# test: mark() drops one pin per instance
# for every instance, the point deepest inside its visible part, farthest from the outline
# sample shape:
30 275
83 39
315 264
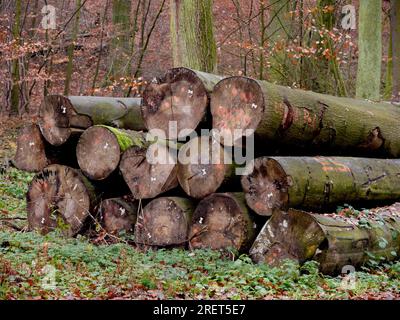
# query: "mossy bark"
319 182
192 35
332 240
370 50
395 41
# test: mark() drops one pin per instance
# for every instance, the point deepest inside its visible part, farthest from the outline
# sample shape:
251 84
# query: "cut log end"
98 152
117 215
55 112
237 103
266 187
146 176
201 168
164 222
287 236
30 155
180 97
220 222
58 197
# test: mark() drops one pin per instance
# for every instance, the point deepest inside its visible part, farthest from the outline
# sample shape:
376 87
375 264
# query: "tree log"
123 113
59 115
304 118
100 148
117 215
182 95
202 168
319 182
333 240
56 114
59 197
34 153
164 222
222 221
146 178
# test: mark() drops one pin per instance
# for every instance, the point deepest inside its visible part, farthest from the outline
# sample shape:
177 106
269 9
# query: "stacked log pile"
126 165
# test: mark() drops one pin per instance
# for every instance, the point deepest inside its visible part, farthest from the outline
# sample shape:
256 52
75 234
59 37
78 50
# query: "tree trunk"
164 222
117 215
15 72
319 182
370 50
203 166
304 119
60 115
34 153
395 32
333 240
71 47
147 178
121 41
192 35
100 148
222 221
59 197
182 95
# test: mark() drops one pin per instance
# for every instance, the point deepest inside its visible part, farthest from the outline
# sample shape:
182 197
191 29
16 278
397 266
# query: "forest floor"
52 267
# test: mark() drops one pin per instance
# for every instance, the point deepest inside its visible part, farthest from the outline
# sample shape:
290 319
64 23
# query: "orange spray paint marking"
329 164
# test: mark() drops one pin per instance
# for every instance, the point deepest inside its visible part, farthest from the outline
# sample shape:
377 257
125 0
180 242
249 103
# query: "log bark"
222 221
181 95
319 182
118 215
100 148
335 241
59 115
164 222
59 197
145 177
303 118
34 153
203 166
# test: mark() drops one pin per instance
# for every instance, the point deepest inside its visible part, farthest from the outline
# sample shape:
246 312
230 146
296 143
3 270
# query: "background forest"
111 47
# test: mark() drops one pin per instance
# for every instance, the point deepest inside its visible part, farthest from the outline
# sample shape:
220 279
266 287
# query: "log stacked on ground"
60 116
304 118
117 215
100 148
203 166
222 221
59 197
181 95
34 153
335 241
149 171
164 222
318 182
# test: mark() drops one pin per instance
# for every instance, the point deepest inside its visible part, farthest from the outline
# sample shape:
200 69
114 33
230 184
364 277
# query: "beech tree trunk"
192 35
222 221
118 215
147 178
335 241
33 153
370 50
395 41
164 222
60 116
303 118
279 183
59 197
181 96
100 148
202 168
